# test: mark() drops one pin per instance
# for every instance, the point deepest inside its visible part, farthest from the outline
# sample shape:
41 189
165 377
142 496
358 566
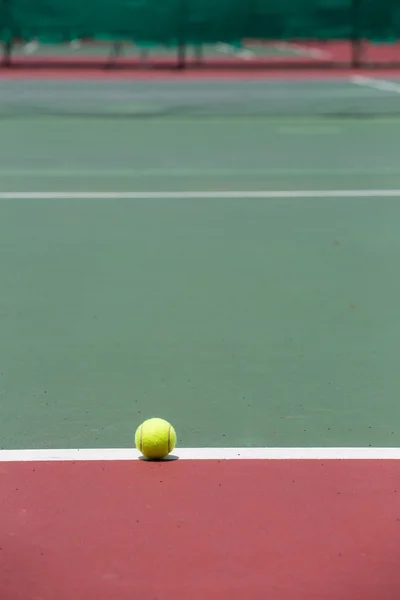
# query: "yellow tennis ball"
155 438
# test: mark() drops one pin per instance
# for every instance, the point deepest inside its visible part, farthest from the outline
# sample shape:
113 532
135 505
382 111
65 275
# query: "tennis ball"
155 438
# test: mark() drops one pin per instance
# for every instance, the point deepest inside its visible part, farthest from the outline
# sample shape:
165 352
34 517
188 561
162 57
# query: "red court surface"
262 52
215 530
207 74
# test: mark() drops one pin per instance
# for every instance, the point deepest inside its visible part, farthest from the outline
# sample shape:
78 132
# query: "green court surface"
245 321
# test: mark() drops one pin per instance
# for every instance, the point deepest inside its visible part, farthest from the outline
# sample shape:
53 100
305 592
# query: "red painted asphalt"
229 530
207 74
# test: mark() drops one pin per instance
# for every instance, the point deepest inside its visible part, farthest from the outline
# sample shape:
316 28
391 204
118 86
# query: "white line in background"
198 195
110 454
377 84
31 47
243 53
302 50
76 44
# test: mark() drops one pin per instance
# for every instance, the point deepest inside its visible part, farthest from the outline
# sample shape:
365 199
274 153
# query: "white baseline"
202 195
219 454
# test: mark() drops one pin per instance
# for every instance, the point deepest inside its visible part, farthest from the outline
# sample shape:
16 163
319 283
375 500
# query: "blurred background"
228 41
200 32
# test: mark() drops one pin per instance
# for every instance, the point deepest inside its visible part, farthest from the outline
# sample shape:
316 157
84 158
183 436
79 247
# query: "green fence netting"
199 21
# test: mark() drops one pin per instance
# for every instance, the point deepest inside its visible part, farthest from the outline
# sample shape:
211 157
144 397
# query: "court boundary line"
129 454
242 53
376 83
300 50
202 195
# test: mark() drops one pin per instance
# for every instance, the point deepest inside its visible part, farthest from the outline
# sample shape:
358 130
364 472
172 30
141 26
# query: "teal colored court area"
247 321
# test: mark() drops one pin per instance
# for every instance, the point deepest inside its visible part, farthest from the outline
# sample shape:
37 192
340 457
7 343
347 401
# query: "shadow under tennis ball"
169 458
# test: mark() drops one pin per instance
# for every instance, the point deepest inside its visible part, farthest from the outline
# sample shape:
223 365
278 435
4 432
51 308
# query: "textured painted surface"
187 529
242 322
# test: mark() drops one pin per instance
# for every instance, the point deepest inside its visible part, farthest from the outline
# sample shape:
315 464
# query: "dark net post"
181 37
356 36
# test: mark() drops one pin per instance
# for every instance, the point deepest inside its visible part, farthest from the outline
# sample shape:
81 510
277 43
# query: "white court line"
302 50
297 49
75 44
193 195
377 84
243 53
31 47
110 454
